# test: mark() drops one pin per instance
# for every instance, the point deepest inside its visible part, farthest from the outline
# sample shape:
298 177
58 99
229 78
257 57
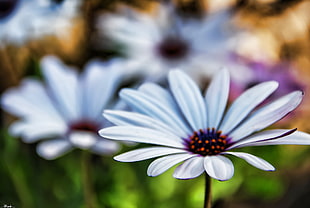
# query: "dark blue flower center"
173 48
7 7
85 125
207 142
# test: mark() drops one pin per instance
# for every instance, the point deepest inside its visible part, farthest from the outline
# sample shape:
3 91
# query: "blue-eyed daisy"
201 131
23 20
66 111
163 40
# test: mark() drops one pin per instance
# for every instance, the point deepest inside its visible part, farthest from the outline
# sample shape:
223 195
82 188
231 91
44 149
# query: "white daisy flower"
66 112
22 20
197 130
166 41
57 18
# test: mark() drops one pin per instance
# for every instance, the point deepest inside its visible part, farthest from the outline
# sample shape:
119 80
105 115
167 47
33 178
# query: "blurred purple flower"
282 72
66 111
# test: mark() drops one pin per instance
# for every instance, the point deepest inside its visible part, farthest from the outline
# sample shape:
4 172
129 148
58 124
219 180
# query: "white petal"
63 83
191 168
30 101
162 96
144 104
159 93
189 99
245 103
160 165
105 147
53 148
141 33
219 167
146 153
253 160
267 115
296 138
124 118
35 130
141 134
216 98
99 83
83 139
265 137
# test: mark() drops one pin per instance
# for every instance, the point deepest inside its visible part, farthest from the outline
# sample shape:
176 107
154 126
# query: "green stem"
207 202
20 185
89 194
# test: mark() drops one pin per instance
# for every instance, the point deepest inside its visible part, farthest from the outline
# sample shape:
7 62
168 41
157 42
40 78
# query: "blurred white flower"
22 20
66 112
57 18
166 40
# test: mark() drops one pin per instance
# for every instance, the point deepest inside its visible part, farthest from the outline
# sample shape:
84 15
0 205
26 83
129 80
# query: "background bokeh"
277 36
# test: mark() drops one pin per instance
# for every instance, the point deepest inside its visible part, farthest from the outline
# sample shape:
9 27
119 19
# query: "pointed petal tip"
101 132
125 91
106 113
117 158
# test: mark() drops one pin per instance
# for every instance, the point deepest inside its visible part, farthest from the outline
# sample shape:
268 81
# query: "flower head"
66 111
166 40
22 20
197 130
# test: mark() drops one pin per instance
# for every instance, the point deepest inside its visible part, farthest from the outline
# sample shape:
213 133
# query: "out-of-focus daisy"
21 20
196 130
66 111
166 40
57 17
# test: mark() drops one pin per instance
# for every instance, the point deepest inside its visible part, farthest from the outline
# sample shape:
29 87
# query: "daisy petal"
146 153
124 118
296 138
53 149
98 78
267 115
253 160
191 168
189 99
82 139
159 93
216 98
160 165
35 130
105 147
219 167
263 137
163 97
30 100
245 103
141 134
63 83
150 106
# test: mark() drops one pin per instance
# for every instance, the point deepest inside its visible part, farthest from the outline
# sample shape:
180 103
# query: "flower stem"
207 203
89 194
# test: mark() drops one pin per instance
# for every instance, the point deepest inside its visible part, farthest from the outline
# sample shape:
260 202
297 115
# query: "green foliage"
31 182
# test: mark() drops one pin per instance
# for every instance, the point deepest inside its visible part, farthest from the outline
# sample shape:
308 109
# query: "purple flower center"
173 48
7 7
84 125
207 142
